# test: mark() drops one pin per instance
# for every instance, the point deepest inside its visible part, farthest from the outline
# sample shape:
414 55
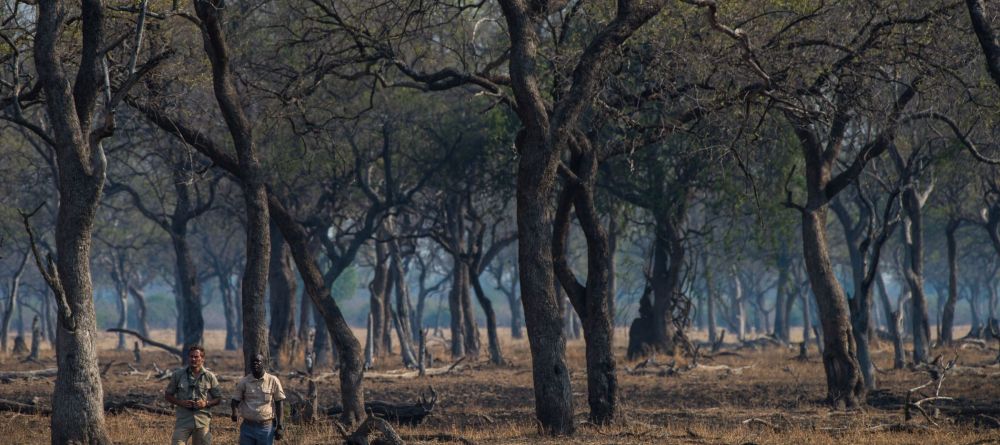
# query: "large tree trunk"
860 304
739 306
321 342
948 312
77 397
379 289
229 311
845 385
589 300
455 308
181 315
258 242
656 333
189 291
12 303
550 376
281 332
188 286
496 355
710 296
305 315
401 317
122 315
781 300
516 314
913 227
351 364
472 343
894 323
140 310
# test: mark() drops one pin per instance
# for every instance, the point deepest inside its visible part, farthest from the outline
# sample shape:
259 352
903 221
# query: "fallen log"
37 374
412 374
373 427
23 408
146 340
121 407
403 414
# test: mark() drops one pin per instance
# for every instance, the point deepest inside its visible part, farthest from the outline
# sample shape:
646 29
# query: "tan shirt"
255 396
185 386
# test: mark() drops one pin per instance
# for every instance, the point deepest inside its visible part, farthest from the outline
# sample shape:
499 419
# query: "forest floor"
755 395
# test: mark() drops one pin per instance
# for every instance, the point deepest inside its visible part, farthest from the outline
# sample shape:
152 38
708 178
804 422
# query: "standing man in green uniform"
193 389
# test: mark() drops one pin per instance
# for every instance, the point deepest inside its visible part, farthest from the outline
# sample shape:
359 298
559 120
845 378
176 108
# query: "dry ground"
485 404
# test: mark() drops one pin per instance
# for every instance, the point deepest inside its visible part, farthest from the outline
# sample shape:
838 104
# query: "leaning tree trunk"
496 356
860 304
845 385
589 300
281 331
349 349
140 310
347 346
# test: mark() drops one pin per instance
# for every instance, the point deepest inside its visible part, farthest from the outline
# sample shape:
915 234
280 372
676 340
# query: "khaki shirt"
185 386
255 396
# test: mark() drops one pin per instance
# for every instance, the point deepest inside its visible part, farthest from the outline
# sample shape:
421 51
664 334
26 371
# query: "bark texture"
258 242
282 281
77 398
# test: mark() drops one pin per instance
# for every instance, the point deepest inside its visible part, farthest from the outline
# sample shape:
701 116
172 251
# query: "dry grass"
493 405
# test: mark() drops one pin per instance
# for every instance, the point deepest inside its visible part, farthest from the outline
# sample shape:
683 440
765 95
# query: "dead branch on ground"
441 437
400 413
938 371
15 375
148 341
23 408
373 426
412 374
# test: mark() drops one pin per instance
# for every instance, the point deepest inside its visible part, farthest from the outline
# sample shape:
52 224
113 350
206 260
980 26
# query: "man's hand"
279 431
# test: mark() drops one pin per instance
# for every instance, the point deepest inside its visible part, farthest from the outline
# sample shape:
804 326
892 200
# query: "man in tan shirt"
255 393
193 389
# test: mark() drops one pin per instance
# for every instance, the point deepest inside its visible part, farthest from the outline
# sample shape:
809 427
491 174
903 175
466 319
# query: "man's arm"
279 395
279 428
235 401
214 393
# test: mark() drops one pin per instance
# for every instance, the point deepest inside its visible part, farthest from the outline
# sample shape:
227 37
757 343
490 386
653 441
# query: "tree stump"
20 347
